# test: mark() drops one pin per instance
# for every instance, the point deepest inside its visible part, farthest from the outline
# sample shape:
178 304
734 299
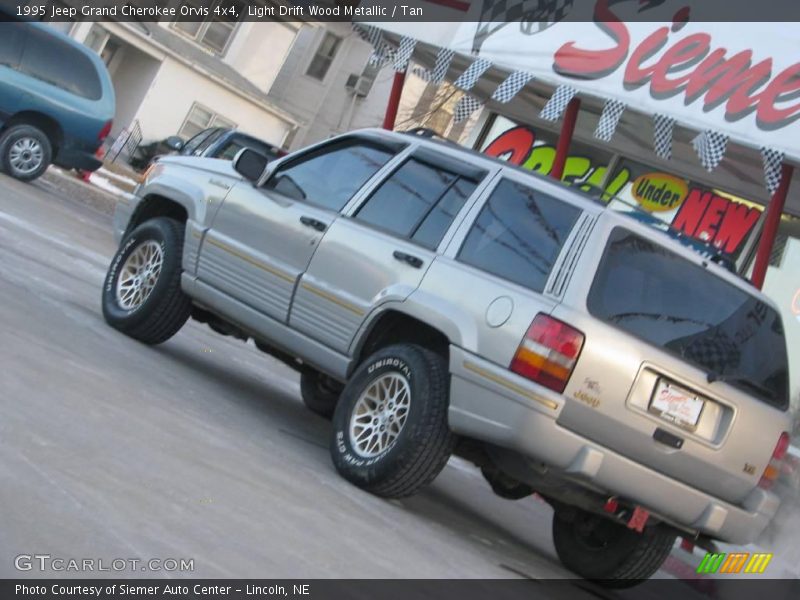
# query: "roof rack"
425 132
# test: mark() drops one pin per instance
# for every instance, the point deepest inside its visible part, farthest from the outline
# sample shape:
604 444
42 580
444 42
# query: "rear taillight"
101 137
548 352
773 470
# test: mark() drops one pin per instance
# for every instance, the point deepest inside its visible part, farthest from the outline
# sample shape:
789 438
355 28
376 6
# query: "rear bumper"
77 159
491 404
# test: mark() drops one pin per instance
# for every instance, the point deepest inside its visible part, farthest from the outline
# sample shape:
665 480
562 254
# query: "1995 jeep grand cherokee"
442 301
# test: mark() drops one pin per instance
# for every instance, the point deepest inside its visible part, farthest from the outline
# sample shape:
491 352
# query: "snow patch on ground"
105 184
108 174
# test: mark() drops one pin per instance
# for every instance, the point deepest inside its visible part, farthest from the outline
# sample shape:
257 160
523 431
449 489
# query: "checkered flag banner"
710 147
443 60
404 52
612 112
773 168
558 102
663 127
467 105
511 86
381 51
470 77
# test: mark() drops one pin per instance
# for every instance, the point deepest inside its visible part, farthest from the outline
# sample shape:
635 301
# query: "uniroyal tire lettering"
390 362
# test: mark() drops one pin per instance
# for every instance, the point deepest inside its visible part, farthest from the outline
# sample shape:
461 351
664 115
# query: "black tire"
608 553
424 442
39 151
320 393
164 311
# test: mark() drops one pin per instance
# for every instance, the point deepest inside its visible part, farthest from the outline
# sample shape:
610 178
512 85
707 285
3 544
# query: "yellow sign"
657 192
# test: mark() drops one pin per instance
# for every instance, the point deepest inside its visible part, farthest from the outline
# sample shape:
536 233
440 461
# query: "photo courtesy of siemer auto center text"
417 299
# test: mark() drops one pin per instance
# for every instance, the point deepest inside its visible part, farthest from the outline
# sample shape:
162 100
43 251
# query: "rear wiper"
712 377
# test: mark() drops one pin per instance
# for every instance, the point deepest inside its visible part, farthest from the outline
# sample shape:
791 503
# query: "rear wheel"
142 295
390 432
320 393
614 556
25 152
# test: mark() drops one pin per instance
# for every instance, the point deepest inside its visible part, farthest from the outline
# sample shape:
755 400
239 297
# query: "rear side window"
58 63
674 304
12 39
330 176
418 201
519 234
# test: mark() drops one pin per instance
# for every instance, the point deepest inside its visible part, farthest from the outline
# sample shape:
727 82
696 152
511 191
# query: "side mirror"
174 143
250 164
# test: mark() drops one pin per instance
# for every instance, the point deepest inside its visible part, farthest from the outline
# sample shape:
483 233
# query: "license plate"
676 405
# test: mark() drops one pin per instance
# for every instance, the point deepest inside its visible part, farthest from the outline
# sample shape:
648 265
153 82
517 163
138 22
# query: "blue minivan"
56 101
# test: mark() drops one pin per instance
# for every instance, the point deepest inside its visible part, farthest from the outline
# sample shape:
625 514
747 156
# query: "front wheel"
25 152
390 432
601 550
142 295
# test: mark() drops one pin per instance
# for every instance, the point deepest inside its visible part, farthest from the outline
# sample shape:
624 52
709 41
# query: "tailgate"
682 369
612 400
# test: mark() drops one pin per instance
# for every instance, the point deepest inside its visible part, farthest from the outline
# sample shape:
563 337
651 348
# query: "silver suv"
436 301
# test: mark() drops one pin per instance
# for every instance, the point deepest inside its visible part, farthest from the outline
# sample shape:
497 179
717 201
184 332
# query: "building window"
200 118
216 30
324 56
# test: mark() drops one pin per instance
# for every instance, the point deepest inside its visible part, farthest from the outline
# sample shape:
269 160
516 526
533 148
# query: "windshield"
662 298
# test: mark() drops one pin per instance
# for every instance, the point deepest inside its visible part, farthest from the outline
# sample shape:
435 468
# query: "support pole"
770 230
565 138
394 100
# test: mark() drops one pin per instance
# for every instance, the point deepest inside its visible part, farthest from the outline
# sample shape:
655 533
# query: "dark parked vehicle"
56 101
216 142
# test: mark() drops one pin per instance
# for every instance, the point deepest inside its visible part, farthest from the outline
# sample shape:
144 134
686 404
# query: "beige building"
289 83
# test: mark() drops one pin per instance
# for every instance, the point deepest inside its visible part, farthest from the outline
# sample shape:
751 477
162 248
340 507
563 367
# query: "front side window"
329 177
519 234
56 62
323 58
418 201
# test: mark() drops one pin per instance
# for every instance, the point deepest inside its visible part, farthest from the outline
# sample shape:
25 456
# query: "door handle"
408 259
313 223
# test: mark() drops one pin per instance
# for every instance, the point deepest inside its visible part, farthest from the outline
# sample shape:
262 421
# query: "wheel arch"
396 325
156 205
47 124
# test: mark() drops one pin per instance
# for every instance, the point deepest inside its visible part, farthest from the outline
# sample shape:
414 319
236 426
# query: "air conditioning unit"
358 84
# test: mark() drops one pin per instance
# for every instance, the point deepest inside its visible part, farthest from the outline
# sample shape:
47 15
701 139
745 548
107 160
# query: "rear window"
662 298
519 234
58 63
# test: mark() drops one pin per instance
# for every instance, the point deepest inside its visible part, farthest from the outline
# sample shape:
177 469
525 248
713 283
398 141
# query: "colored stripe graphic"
734 562
758 563
711 563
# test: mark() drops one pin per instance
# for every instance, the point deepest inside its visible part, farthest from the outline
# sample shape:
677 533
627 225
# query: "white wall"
176 87
259 49
132 73
325 107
